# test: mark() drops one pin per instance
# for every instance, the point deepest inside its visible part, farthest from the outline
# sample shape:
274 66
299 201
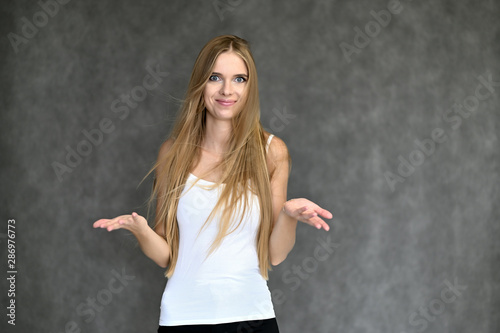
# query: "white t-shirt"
225 287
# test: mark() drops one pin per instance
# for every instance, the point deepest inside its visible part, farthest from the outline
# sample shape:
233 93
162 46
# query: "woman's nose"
227 88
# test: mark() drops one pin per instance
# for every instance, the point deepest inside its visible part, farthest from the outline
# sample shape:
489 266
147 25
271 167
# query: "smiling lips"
225 102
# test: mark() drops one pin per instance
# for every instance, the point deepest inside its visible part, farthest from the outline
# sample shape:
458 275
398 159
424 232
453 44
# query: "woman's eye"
240 79
213 78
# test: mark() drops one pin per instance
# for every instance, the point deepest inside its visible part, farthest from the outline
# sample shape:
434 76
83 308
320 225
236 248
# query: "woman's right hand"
152 244
134 223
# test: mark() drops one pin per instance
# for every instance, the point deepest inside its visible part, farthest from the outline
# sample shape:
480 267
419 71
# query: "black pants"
253 326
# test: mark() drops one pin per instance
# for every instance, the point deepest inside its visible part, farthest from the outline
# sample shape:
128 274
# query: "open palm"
308 212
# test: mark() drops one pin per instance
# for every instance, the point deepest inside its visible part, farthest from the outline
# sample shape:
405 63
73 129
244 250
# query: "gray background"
396 250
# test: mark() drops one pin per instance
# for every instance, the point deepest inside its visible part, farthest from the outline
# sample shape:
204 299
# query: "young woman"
222 215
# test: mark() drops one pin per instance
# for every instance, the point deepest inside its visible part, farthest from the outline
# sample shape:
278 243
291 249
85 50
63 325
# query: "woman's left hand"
308 212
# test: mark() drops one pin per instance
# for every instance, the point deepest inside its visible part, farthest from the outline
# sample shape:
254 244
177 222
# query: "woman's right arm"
152 242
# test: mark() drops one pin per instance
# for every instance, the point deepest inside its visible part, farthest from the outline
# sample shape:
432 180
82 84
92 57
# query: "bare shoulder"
165 147
278 151
278 157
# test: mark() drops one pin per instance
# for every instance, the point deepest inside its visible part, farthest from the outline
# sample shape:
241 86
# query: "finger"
318 223
115 226
103 223
307 211
325 226
301 210
324 213
98 223
308 214
127 220
322 225
314 224
136 217
106 223
120 223
296 213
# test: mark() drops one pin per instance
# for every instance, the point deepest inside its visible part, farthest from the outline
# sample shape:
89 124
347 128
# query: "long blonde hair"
243 167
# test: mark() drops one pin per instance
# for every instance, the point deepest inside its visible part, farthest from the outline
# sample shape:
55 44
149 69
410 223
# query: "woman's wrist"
284 207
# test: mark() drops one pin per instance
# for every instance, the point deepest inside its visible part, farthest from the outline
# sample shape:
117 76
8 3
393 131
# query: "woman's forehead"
230 63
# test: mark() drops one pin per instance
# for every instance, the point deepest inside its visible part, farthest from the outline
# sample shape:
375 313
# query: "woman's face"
225 91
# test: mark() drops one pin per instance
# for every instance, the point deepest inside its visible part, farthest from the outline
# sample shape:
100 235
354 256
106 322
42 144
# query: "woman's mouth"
225 102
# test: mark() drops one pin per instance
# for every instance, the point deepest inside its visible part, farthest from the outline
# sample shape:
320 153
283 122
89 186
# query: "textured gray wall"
370 110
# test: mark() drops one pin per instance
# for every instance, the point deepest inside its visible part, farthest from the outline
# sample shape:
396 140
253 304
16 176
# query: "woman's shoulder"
276 148
165 147
162 153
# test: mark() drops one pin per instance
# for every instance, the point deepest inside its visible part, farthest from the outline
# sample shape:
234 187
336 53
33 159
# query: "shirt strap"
269 141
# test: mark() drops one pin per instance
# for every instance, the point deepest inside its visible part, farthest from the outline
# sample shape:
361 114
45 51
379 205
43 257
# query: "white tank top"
225 287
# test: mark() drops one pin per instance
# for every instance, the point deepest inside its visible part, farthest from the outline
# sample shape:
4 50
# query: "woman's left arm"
287 213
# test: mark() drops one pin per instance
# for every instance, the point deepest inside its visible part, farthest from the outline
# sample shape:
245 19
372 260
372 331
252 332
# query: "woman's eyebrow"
244 75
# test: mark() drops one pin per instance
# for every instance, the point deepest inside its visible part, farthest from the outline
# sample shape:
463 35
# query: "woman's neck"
217 134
